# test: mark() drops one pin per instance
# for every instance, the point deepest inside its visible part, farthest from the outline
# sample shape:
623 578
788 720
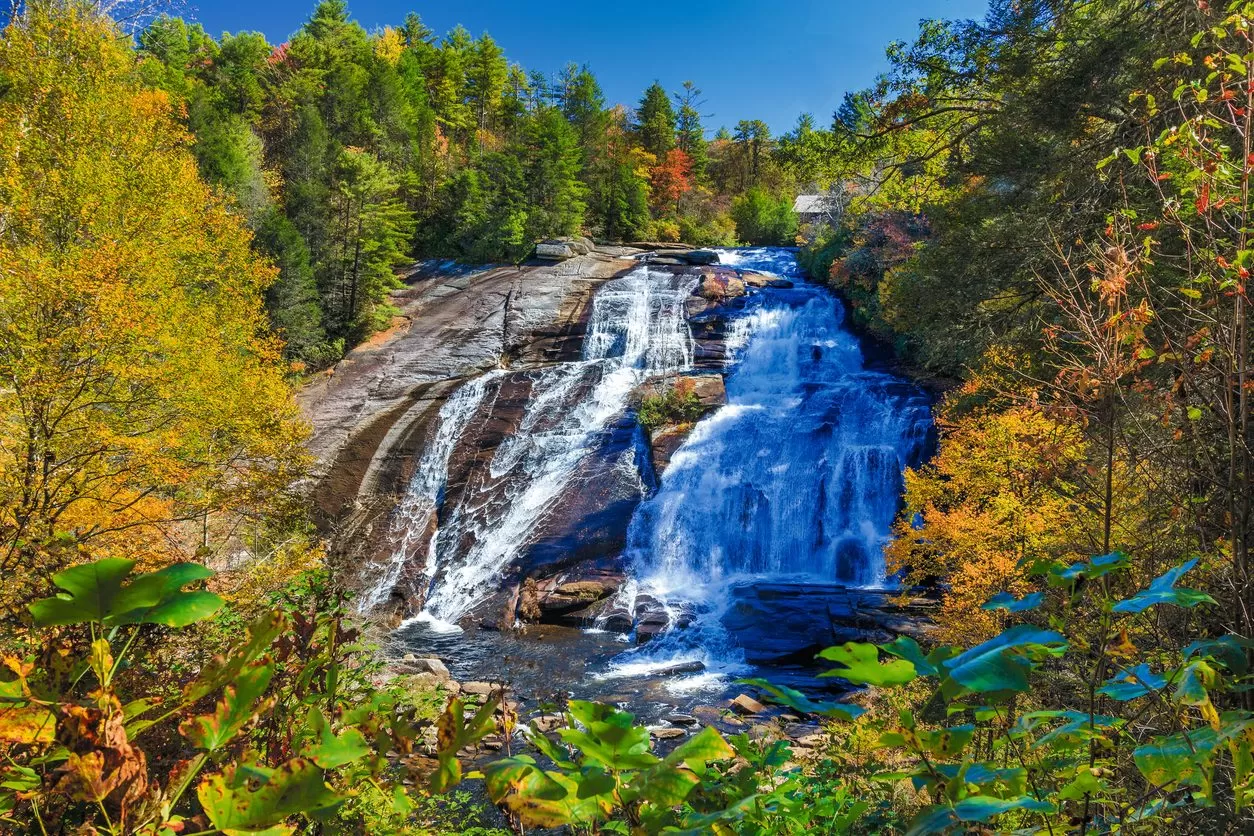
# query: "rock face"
374 413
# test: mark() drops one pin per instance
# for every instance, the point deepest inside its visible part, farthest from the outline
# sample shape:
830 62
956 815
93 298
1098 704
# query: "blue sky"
753 59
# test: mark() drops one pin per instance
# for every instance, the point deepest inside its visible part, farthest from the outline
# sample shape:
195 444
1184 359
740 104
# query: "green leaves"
252 799
454 732
330 751
859 664
95 592
611 738
783 695
977 808
1162 590
614 769
1132 683
1003 662
241 702
1006 601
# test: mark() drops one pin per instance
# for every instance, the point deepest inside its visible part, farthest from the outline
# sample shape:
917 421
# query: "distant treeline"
352 152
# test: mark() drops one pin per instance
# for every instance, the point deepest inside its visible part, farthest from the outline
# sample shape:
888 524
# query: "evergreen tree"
689 134
486 78
551 160
655 121
369 236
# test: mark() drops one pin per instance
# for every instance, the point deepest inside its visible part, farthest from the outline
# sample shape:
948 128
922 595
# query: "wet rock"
694 666
701 257
663 442
720 285
666 732
752 279
780 283
651 626
745 704
617 619
680 719
788 623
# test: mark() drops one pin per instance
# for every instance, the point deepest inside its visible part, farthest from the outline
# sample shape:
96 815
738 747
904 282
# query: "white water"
637 328
798 476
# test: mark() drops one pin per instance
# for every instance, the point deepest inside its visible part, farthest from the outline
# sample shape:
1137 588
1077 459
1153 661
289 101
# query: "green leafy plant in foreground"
1058 727
282 728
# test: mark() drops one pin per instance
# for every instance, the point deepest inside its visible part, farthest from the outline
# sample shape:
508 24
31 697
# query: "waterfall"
798 476
636 329
416 512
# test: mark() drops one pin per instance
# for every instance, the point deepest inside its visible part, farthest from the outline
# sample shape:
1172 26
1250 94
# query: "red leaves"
671 178
1203 199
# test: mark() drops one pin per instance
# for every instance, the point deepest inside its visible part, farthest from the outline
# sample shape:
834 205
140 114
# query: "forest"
352 154
1041 217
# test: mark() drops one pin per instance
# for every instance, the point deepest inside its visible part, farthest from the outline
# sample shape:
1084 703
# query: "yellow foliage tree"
996 497
139 386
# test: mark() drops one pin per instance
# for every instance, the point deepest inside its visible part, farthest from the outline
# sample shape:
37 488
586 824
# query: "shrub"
674 406
287 725
762 218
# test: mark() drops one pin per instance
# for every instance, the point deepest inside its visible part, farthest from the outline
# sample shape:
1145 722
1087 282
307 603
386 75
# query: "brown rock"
529 601
745 704
666 732
664 441
546 723
481 689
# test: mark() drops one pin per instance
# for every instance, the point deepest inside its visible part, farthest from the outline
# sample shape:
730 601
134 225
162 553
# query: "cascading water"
637 328
799 476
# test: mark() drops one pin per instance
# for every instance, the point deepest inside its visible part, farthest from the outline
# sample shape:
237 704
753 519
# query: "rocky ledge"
374 413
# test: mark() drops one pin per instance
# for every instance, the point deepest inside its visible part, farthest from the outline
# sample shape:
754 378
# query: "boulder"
555 251
720 285
701 257
663 443
650 626
617 620
682 667
780 283
479 689
710 389
546 723
752 279
680 719
426 665
745 704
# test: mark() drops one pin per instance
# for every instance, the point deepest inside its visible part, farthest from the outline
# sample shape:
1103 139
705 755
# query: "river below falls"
764 536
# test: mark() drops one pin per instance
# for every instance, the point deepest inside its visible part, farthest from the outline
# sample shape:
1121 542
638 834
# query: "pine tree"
689 134
655 121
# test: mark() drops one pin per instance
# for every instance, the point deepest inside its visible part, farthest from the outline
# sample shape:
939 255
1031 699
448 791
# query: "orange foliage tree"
671 179
139 386
996 498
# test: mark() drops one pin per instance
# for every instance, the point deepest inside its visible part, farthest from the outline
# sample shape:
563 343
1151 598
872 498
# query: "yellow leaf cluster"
139 385
996 497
